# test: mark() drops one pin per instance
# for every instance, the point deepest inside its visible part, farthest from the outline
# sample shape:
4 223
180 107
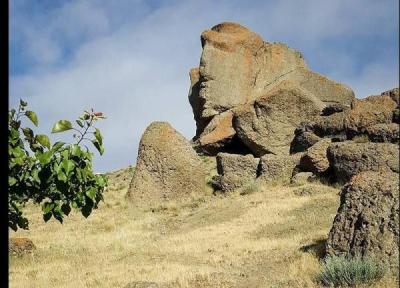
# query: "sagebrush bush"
340 270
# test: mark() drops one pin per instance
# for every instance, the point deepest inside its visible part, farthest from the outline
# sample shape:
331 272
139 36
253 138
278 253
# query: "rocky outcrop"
235 170
372 116
367 221
237 67
167 167
349 158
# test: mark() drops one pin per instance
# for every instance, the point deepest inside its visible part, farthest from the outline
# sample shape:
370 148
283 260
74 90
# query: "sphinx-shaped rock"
167 167
238 67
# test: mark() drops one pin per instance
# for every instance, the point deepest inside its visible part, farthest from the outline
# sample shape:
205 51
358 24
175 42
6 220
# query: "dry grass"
269 238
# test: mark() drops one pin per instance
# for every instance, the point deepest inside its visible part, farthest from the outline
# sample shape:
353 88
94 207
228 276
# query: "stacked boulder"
252 94
249 97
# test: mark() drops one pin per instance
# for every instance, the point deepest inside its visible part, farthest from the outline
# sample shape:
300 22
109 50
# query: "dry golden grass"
269 238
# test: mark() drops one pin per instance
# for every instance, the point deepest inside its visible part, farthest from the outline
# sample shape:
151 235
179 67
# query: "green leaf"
65 154
57 146
75 150
61 176
43 140
11 181
91 193
100 180
79 122
18 152
67 165
35 175
98 136
62 125
47 207
45 157
33 117
22 103
98 146
14 134
27 132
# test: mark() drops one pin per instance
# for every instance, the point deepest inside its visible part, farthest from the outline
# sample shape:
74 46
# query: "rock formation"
367 222
266 117
167 167
237 67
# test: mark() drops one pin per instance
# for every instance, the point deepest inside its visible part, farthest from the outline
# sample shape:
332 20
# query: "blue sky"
130 58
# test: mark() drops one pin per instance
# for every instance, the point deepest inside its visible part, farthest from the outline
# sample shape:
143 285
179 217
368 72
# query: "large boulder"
218 134
369 111
277 167
167 167
349 158
367 221
236 170
237 67
315 159
267 125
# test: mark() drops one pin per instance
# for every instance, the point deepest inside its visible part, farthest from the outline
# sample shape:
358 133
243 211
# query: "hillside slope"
271 236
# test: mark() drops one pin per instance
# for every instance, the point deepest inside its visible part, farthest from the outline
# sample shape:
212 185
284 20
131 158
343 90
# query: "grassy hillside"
272 236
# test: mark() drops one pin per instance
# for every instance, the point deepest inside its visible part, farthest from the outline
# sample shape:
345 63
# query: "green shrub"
340 270
57 176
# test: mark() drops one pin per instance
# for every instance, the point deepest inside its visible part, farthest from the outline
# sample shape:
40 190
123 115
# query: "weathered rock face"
267 125
237 67
236 170
371 116
315 159
369 111
367 221
383 133
217 134
277 167
393 94
349 158
167 167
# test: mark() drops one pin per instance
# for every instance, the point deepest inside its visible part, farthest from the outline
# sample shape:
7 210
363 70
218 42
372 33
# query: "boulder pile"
265 116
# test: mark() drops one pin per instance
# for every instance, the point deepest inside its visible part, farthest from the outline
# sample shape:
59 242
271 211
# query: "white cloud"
135 68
